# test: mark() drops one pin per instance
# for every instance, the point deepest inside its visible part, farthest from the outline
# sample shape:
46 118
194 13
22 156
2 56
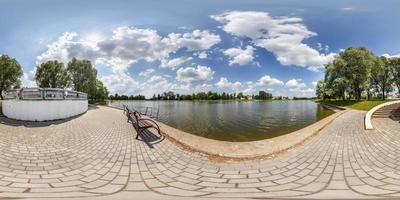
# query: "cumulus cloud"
295 84
224 83
269 81
314 83
146 73
283 36
300 88
174 63
202 55
191 74
127 46
196 40
250 88
240 56
121 83
391 56
204 87
28 78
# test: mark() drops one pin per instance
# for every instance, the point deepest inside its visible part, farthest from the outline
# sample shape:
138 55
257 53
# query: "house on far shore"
247 97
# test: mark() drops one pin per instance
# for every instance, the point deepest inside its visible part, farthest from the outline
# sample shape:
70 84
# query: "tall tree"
83 76
52 74
357 66
10 72
101 91
381 76
394 65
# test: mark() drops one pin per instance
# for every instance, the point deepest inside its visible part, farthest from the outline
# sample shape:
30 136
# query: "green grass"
357 105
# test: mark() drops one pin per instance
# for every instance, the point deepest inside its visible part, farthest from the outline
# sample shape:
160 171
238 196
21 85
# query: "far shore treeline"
262 95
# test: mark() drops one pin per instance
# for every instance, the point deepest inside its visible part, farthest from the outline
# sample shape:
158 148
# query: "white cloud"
146 73
347 8
297 87
224 83
204 87
191 74
28 78
314 83
268 80
391 56
250 89
295 84
124 47
121 83
196 40
202 55
174 63
240 56
322 47
282 36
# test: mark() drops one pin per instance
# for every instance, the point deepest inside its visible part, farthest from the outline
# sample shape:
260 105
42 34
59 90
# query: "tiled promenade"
96 155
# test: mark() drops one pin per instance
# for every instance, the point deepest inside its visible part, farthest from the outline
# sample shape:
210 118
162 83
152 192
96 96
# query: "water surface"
235 120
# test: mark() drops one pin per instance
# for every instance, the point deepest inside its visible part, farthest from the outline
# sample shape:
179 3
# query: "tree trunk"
1 94
383 93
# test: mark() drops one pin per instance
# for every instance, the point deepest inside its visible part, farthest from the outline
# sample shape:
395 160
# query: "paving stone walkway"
96 155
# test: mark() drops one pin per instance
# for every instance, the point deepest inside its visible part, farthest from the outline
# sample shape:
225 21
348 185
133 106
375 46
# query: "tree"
357 68
10 72
320 89
52 74
83 77
240 95
349 73
394 66
381 76
101 92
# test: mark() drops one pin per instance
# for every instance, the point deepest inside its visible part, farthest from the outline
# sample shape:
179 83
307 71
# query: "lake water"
235 120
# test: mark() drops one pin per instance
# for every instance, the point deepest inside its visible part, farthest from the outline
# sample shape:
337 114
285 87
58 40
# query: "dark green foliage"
357 73
52 74
10 72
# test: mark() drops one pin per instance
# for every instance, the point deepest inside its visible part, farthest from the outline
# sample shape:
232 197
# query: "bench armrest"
150 120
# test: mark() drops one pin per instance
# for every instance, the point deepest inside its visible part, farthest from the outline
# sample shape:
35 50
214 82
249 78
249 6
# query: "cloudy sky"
147 47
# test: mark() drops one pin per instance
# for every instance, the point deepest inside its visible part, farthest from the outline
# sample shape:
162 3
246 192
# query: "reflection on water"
235 121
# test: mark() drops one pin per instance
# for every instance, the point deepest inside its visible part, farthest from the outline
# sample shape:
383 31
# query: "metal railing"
44 94
148 111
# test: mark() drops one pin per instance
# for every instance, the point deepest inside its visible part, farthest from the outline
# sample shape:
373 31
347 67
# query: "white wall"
43 110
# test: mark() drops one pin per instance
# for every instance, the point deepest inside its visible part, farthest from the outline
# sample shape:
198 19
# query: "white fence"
43 104
43 94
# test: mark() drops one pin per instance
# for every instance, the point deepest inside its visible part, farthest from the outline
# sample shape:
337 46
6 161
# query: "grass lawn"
358 105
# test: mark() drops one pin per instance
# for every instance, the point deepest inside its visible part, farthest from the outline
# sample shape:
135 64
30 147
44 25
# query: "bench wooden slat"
140 123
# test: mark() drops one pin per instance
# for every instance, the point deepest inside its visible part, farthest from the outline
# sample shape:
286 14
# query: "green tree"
52 74
240 95
381 76
394 66
349 72
357 68
10 72
101 92
83 77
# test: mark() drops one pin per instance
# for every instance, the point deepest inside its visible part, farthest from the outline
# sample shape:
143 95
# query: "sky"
149 47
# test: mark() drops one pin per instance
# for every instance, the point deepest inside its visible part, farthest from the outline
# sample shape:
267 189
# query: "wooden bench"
139 122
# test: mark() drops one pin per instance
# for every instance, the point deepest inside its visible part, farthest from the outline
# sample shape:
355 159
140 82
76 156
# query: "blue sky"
190 46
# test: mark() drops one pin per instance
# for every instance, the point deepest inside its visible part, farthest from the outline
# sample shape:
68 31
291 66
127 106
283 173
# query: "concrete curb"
368 116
